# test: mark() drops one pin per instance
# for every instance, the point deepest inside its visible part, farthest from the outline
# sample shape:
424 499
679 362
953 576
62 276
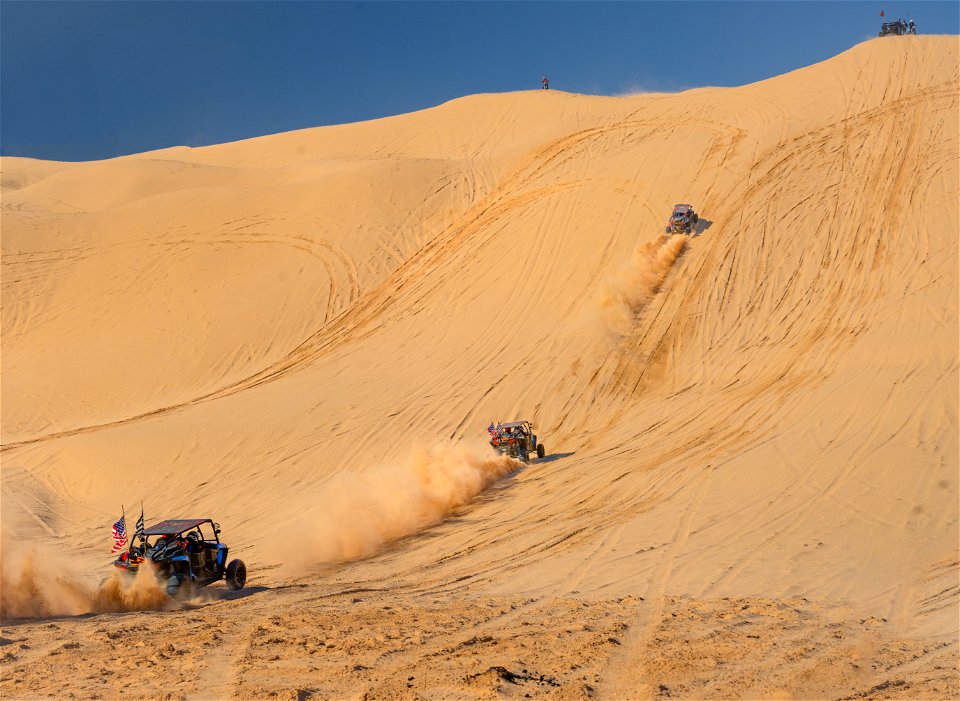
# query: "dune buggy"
682 220
517 440
187 553
897 27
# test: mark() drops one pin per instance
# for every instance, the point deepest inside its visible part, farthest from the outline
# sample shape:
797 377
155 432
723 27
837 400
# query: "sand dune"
752 482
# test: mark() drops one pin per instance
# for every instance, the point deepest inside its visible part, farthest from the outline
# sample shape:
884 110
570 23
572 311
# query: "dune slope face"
766 410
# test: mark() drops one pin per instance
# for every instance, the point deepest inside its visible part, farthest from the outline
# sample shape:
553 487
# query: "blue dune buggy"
187 553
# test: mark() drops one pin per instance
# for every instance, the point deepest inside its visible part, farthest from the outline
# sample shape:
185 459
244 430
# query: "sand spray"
355 515
358 513
629 291
37 583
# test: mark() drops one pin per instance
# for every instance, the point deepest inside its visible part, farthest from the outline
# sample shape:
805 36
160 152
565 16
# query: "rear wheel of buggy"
541 451
178 587
236 574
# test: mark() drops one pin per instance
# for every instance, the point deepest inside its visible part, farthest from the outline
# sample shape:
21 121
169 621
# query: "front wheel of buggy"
236 574
541 451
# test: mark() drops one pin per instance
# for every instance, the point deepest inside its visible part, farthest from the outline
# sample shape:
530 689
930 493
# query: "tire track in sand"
624 676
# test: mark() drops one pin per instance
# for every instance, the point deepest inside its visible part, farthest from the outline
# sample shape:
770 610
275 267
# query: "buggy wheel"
668 230
541 451
178 587
236 574
524 455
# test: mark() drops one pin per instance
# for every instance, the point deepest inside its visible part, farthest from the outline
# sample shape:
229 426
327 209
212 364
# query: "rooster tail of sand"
36 584
357 514
629 291
144 592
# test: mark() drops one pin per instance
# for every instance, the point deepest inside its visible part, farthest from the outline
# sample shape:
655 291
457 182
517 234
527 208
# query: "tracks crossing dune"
752 484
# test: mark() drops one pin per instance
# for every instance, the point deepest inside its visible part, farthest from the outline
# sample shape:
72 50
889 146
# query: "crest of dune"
260 332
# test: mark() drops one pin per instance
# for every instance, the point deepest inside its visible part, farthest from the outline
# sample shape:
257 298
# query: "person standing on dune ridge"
546 83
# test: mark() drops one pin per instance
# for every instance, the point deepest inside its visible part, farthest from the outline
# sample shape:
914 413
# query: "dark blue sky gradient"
89 80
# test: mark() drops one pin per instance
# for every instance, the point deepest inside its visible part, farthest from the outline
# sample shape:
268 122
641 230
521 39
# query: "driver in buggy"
167 543
681 217
160 544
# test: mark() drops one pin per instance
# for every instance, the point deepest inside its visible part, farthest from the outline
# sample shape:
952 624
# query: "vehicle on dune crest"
516 439
682 220
897 27
187 553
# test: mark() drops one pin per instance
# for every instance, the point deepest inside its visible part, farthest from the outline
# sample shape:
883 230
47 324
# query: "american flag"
139 529
119 535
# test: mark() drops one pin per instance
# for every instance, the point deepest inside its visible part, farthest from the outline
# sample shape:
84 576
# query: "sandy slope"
752 487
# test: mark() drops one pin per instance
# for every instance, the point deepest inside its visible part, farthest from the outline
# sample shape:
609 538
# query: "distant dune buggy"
187 553
682 220
517 440
897 27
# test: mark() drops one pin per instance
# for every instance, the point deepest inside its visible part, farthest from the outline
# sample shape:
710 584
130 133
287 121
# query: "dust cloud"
38 584
633 287
143 593
357 514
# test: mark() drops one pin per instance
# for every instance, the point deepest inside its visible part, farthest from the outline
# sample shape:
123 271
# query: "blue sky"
88 80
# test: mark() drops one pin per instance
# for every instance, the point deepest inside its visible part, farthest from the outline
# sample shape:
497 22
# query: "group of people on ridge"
905 28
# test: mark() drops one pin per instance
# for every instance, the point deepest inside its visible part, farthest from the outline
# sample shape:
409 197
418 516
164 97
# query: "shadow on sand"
551 458
701 226
230 595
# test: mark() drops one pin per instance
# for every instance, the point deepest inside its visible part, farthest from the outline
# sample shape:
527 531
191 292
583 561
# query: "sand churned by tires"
38 586
628 291
356 513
